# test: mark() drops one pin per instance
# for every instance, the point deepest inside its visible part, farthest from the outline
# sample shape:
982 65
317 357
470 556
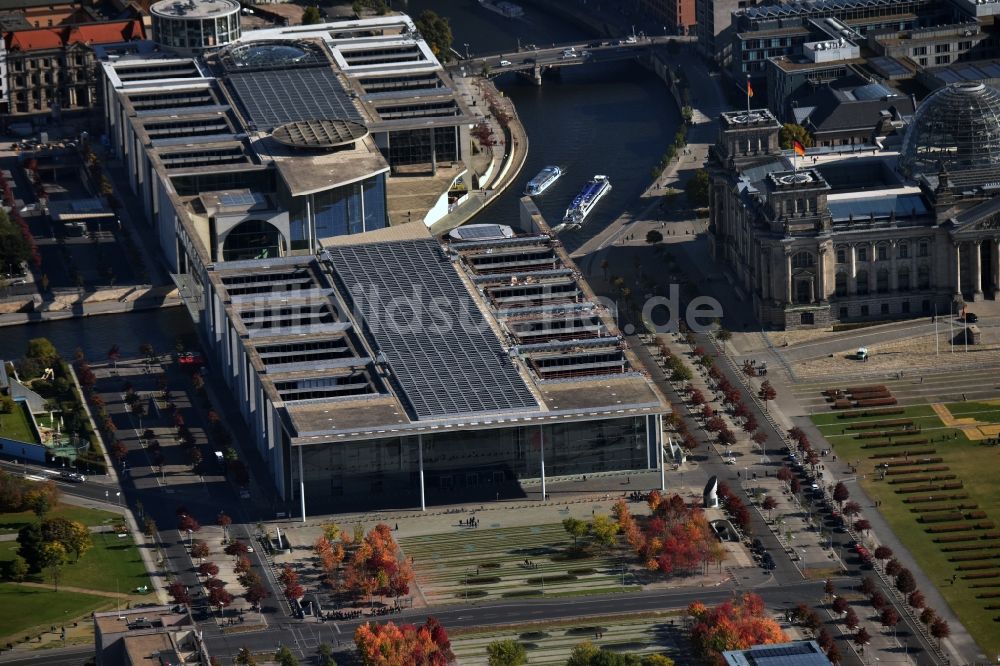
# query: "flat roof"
446 366
196 9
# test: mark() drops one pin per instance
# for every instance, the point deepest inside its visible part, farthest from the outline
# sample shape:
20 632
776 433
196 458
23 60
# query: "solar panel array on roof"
816 6
462 370
479 232
273 98
873 91
902 205
981 71
889 67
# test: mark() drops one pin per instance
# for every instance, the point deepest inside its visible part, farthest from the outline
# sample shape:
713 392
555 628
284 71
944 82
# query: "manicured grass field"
489 564
16 426
12 522
973 462
23 608
112 565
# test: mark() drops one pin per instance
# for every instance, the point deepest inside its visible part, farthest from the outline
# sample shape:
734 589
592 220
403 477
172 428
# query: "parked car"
72 477
971 317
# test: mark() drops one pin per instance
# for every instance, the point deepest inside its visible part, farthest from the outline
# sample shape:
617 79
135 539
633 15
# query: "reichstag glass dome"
958 128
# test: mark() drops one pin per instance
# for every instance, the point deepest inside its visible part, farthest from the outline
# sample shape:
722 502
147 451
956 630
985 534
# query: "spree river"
611 118
615 119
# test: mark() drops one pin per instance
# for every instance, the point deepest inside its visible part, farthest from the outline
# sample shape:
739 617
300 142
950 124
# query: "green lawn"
15 425
23 608
975 465
112 565
12 522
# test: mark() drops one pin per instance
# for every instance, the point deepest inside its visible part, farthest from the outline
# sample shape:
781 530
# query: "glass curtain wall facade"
381 473
349 209
196 33
415 146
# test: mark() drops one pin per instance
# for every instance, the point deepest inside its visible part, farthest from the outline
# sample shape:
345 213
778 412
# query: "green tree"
30 541
696 189
14 246
311 16
17 569
575 527
507 652
653 236
325 654
436 31
791 132
53 557
656 660
284 657
582 654
42 351
604 529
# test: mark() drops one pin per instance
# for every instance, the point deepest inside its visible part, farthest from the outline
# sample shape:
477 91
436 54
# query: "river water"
615 119
611 118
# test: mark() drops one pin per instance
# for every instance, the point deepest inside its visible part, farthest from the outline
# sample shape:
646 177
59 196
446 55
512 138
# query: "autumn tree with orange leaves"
675 538
404 645
374 567
732 626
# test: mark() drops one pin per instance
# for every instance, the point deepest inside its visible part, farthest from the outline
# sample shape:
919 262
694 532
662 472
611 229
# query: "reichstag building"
903 226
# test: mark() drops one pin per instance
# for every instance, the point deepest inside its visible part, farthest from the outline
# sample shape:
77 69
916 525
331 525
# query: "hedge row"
976 567
875 402
974 557
981 575
955 538
872 434
919 470
988 595
935 498
918 489
862 413
975 515
854 389
911 479
900 442
888 423
842 404
954 527
914 452
983 586
936 507
958 549
940 517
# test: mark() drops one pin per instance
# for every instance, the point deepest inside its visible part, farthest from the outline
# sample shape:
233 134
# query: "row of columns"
657 426
976 265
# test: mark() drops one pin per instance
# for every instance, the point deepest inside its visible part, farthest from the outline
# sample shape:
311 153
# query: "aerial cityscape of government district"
430 332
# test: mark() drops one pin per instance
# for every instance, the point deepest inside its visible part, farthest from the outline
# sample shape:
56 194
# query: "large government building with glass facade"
891 229
375 365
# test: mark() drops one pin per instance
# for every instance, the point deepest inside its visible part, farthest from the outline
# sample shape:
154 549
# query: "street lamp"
467 50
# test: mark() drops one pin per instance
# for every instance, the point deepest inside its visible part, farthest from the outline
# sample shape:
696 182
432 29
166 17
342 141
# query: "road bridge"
531 61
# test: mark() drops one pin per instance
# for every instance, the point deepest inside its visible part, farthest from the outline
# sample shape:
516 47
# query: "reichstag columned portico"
897 228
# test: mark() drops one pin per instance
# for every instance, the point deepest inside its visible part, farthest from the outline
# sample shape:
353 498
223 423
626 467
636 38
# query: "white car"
505 63
630 39
730 461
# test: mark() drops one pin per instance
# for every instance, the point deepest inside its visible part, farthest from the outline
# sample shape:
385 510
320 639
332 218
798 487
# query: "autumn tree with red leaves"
374 567
732 626
404 645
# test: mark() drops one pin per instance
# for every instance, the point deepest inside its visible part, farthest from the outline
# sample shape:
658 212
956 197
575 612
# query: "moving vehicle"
630 39
593 191
72 477
543 180
505 63
971 317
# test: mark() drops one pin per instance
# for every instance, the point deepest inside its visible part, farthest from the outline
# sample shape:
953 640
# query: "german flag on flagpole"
800 150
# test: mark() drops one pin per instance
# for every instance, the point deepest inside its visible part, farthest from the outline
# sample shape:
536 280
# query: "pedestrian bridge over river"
533 62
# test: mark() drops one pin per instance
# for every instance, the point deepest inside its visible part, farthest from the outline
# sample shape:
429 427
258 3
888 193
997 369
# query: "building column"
541 441
788 276
977 271
302 487
893 276
821 276
852 282
958 268
420 466
996 269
